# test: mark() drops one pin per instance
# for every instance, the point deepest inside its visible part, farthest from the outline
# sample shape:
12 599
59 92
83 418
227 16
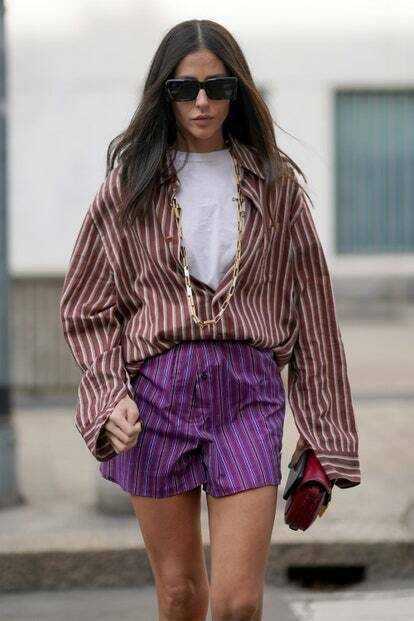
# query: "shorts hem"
160 493
104 476
169 492
213 491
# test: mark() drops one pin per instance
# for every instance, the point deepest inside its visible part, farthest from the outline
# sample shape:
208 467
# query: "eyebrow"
191 77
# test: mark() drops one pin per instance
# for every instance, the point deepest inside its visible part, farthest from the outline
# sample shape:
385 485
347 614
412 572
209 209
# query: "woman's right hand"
301 445
123 425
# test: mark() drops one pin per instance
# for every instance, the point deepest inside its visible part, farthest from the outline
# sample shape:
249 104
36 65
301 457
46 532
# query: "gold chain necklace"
190 299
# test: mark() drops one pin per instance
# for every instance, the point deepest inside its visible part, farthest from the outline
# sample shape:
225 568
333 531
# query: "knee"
179 593
230 609
182 598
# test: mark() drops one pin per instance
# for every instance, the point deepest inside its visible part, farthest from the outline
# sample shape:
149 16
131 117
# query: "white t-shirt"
208 212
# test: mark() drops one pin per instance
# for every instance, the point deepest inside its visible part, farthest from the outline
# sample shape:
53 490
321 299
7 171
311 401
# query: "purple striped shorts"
212 414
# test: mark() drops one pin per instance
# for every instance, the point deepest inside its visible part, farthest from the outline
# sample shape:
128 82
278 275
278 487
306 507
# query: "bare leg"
172 535
240 533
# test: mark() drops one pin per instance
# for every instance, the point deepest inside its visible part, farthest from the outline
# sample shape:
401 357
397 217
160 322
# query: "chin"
203 134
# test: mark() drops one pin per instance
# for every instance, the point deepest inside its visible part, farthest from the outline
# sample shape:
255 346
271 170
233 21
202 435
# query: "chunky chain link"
184 257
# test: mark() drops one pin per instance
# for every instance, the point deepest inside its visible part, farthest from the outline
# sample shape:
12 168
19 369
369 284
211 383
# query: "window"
374 169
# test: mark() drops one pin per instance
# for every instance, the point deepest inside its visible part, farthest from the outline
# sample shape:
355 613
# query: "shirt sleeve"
92 328
318 383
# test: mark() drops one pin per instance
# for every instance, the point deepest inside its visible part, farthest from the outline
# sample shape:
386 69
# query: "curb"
337 563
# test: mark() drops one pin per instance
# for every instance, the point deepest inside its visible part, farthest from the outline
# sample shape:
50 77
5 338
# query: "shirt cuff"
94 435
342 469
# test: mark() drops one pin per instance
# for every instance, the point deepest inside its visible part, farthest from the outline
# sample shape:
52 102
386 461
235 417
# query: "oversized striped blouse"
124 299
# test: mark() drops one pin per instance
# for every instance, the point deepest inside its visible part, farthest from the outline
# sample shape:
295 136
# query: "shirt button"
204 375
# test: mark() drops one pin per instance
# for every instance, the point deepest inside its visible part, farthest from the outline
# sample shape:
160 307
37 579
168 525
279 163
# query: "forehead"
201 64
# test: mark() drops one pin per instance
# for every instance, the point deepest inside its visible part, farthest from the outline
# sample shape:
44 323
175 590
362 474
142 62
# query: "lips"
202 118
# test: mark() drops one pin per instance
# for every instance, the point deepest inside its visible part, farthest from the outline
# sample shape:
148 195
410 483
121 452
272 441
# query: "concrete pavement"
57 539
388 601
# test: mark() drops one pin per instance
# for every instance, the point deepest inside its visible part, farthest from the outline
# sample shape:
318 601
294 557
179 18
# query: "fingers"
117 444
302 442
125 416
125 437
121 441
123 430
123 425
301 446
132 414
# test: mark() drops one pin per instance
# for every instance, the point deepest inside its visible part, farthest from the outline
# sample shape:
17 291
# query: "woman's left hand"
301 445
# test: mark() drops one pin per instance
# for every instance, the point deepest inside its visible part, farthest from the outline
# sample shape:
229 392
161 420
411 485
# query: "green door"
374 168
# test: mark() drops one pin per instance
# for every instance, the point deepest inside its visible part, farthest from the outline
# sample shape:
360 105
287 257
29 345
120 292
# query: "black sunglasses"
186 89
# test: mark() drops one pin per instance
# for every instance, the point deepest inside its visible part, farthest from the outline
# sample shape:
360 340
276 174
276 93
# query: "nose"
201 97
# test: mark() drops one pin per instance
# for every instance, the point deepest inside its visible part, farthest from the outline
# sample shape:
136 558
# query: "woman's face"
206 135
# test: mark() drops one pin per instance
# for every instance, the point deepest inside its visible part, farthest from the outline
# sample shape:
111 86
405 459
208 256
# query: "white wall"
73 88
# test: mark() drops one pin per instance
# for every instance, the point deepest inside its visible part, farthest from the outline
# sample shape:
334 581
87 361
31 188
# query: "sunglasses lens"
221 88
183 90
216 88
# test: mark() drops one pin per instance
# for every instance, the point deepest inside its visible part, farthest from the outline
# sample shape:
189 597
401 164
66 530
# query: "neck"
194 145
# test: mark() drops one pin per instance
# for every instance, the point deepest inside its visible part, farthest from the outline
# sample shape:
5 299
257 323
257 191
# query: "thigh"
240 527
245 403
166 460
171 531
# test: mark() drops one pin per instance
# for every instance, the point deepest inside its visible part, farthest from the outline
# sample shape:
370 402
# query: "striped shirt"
124 299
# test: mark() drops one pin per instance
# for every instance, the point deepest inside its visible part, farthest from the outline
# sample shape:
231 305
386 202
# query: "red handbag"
308 491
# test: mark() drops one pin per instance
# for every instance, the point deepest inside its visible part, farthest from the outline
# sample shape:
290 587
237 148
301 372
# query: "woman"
196 276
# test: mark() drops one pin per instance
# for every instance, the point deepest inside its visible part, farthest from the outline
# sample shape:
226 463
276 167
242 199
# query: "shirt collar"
245 155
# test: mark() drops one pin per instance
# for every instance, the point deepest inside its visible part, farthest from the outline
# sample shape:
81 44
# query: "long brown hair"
142 147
